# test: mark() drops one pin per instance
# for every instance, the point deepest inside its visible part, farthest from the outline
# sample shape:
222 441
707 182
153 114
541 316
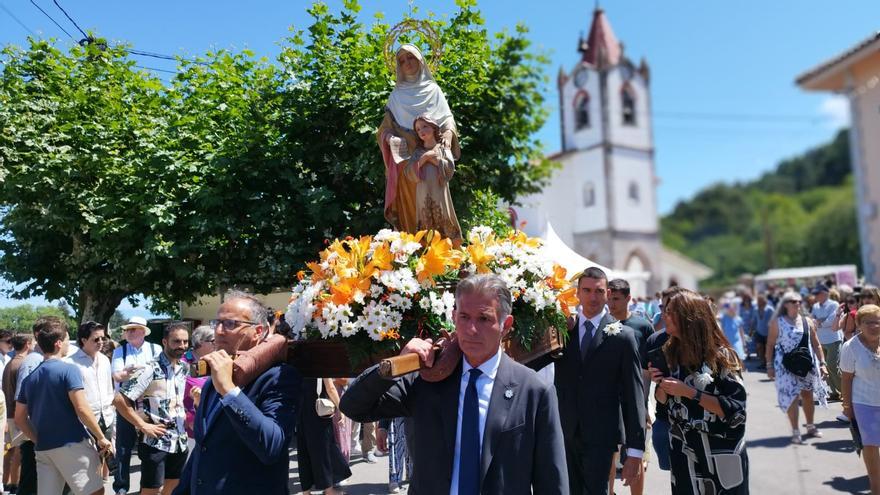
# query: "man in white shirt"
94 367
824 312
492 426
600 361
128 360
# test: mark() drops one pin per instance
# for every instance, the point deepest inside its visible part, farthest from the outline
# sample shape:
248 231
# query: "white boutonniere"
613 328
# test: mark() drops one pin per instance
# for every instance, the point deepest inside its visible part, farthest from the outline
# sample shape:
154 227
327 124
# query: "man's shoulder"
657 339
279 376
639 324
525 376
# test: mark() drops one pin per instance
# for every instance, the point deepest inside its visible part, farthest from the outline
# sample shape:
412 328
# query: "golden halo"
422 27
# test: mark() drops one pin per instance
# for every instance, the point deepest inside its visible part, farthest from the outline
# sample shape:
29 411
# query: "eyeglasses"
229 324
100 339
796 301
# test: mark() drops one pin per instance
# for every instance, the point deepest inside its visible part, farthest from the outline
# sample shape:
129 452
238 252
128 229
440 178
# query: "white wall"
562 201
638 136
628 167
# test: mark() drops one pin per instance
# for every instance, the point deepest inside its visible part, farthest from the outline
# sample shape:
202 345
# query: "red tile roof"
602 48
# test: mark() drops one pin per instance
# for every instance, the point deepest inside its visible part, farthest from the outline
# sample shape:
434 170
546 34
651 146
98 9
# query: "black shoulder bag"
799 360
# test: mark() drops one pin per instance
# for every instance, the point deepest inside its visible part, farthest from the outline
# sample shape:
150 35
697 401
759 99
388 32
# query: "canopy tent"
808 275
555 249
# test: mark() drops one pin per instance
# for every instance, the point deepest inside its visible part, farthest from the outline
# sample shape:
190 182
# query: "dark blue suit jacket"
242 447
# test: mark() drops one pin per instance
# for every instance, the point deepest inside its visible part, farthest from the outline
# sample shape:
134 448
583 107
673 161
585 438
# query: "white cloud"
835 109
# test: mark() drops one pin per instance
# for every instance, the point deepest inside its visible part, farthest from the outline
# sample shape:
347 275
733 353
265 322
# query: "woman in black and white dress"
786 332
706 399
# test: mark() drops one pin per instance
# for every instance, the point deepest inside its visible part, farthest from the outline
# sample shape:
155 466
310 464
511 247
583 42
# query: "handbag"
799 360
323 407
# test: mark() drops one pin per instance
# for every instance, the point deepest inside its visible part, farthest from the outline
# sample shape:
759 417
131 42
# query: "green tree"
22 317
77 152
802 213
114 185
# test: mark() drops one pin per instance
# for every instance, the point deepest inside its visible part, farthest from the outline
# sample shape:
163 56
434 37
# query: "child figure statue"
430 167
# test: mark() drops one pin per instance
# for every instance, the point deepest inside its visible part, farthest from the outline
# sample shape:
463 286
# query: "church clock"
580 77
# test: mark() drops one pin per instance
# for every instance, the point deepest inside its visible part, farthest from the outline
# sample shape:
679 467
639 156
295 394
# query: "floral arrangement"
377 292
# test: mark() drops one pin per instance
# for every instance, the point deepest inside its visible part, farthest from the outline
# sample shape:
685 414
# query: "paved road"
825 465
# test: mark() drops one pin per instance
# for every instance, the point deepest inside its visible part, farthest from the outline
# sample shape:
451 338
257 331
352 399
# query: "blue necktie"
588 338
469 449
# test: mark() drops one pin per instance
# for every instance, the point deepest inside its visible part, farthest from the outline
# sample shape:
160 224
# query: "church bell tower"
608 156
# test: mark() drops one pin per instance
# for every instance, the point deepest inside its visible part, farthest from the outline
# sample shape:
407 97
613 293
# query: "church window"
589 195
628 103
582 110
634 191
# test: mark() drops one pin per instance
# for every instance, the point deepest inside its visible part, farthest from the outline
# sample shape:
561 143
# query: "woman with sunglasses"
846 319
97 378
787 328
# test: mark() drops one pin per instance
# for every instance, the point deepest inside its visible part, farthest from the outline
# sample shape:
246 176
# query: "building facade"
856 74
603 201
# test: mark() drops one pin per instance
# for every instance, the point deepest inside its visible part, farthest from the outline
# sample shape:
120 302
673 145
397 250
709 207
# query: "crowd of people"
76 412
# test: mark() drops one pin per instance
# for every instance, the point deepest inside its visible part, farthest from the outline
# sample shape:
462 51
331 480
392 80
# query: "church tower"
603 202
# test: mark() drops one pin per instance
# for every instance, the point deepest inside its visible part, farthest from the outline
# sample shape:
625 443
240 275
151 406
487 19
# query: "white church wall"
633 168
587 169
636 136
562 201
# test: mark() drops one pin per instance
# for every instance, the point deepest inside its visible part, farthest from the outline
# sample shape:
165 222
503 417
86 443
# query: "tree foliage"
801 214
113 184
22 317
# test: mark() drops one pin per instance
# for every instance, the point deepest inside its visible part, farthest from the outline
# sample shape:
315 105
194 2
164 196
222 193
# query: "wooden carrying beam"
396 366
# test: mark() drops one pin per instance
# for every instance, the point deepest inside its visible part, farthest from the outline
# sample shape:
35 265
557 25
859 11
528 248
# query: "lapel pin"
508 394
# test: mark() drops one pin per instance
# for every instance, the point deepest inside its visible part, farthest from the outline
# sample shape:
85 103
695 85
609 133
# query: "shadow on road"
835 446
858 485
832 424
770 443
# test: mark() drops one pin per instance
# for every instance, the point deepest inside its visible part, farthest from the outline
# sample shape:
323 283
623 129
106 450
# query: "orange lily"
568 299
439 258
559 278
479 257
382 259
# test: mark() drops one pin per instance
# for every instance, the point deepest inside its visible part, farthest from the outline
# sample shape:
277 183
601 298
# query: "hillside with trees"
800 214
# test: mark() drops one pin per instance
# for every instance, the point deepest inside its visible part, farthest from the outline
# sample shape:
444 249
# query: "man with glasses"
128 360
96 376
152 401
242 430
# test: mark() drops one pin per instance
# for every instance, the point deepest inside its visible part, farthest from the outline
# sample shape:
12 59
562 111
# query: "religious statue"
415 94
431 167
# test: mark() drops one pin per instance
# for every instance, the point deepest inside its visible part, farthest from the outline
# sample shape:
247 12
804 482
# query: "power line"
70 18
157 70
53 20
150 54
16 19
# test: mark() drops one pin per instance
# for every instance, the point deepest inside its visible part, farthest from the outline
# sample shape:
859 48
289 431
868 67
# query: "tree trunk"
99 307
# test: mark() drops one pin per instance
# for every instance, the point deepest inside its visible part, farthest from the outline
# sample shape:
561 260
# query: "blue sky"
724 100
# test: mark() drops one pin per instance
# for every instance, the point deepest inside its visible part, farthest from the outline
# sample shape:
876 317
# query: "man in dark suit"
491 427
241 433
600 389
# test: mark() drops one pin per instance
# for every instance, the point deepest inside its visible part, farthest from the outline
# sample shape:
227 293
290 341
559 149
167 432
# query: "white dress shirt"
98 384
596 320
582 329
484 385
